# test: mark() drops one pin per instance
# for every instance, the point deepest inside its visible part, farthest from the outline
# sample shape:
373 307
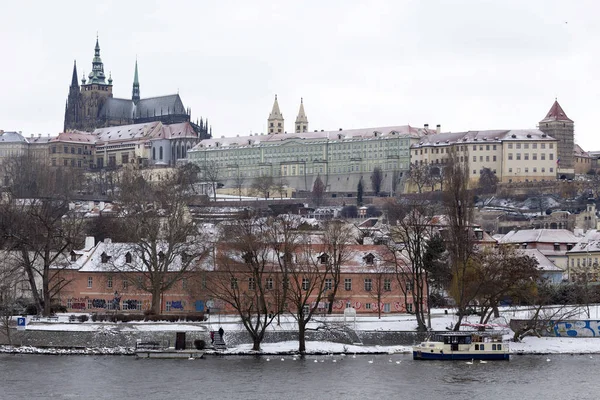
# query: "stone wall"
118 338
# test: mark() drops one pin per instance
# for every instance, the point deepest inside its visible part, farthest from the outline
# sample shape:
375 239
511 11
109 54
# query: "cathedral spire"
275 121
74 81
97 74
135 94
301 119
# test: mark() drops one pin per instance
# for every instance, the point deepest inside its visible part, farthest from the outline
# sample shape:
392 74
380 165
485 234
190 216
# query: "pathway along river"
234 377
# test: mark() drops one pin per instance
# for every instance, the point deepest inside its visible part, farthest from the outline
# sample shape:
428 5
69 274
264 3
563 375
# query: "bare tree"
419 176
306 288
381 282
212 175
376 180
460 241
38 226
318 191
262 185
407 253
503 272
165 244
338 237
238 182
280 187
245 275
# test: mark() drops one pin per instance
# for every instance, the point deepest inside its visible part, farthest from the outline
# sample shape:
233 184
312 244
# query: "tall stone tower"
95 92
73 106
301 119
275 121
557 125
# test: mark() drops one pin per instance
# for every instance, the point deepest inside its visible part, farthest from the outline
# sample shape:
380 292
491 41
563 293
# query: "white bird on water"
316 360
398 362
282 359
354 356
371 361
334 360
268 359
293 358
470 362
547 360
482 362
191 358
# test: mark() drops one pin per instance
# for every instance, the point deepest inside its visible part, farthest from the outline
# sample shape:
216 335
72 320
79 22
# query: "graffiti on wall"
583 328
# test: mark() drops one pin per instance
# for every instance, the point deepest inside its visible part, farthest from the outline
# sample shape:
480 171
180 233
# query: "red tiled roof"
556 113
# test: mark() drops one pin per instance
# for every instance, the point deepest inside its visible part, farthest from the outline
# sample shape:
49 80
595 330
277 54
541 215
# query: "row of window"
526 156
533 145
125 282
534 169
368 284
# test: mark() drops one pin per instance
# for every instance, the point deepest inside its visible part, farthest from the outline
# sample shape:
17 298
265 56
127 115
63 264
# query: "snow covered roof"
539 236
589 243
544 263
348 134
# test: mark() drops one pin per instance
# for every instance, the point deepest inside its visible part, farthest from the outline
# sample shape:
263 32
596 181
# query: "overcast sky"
466 65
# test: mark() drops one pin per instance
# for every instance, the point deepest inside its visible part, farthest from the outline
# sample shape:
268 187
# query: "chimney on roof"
340 129
20 132
31 135
39 135
426 126
438 128
89 242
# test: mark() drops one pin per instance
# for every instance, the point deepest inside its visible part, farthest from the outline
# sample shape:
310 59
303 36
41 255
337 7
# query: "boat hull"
419 355
182 354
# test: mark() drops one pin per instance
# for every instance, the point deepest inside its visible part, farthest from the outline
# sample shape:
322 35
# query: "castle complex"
341 158
91 105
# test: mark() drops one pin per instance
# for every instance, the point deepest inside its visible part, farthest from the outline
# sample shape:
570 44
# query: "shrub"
83 317
94 317
31 309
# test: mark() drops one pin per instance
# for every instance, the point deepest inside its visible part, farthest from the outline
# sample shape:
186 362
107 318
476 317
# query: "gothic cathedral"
91 105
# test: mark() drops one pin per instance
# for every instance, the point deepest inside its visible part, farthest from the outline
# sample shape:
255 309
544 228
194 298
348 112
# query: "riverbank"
393 333
529 345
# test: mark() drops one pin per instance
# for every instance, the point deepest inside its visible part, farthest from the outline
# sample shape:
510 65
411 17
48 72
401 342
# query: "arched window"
160 153
128 258
154 153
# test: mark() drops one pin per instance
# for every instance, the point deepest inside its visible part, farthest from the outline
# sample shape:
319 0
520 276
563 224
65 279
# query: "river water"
235 377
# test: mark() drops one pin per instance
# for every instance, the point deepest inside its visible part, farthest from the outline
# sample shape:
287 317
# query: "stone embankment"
110 340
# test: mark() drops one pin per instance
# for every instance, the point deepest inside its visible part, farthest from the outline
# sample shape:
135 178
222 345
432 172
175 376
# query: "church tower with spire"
73 106
301 119
94 92
135 94
557 125
275 121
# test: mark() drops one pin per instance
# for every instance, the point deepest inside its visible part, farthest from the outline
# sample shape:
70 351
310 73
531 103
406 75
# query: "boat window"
431 345
499 347
482 347
493 347
476 347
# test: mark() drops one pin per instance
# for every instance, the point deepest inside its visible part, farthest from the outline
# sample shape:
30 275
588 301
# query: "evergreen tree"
318 191
359 193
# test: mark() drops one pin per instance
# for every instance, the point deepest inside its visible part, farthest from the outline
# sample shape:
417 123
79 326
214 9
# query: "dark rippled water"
119 377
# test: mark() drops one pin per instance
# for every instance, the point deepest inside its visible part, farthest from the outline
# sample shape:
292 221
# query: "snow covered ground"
388 322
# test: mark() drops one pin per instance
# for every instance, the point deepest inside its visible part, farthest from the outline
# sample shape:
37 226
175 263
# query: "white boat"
462 346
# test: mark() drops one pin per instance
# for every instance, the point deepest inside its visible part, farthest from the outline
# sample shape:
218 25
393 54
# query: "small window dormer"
323 258
369 259
161 256
247 258
287 258
128 258
104 258
73 256
185 257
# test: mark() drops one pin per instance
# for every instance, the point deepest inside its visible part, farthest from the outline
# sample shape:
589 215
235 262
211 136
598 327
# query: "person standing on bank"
221 332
